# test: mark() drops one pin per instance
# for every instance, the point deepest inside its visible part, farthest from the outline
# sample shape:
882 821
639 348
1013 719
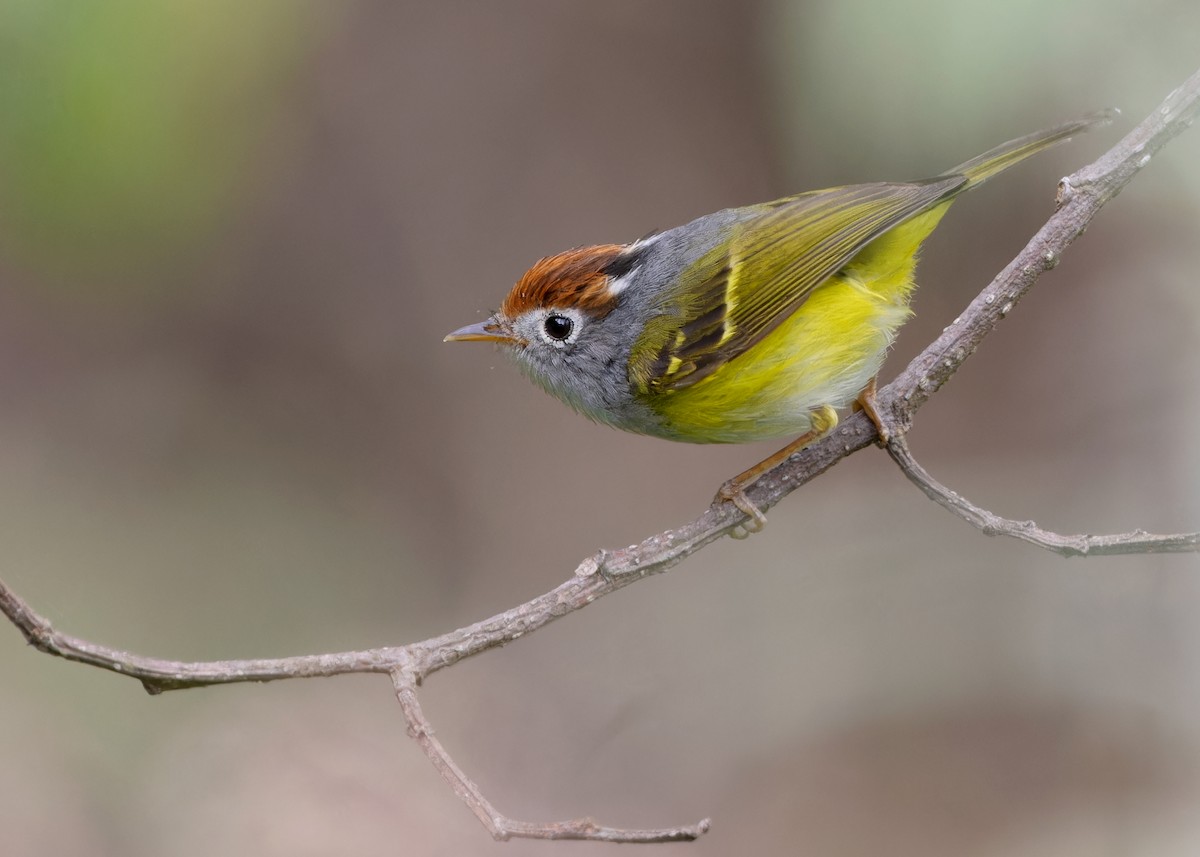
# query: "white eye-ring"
560 327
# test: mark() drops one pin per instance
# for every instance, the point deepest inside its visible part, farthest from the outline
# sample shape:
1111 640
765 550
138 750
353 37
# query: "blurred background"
232 237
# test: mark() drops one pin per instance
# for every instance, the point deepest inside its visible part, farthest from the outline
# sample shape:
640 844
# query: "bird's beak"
483 331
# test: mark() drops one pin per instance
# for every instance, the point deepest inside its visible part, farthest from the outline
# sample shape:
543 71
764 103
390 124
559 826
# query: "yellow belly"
823 354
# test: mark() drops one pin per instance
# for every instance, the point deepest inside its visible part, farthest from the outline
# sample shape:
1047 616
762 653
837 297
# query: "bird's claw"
733 492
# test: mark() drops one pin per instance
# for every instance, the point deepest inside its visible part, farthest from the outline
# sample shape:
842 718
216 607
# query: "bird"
746 324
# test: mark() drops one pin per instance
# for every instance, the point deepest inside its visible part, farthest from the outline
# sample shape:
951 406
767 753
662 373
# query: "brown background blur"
232 236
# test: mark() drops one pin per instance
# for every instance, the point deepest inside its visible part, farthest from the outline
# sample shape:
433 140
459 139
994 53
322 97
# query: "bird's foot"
734 491
824 420
867 403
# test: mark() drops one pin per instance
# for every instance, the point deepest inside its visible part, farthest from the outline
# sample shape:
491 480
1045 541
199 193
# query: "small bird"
746 324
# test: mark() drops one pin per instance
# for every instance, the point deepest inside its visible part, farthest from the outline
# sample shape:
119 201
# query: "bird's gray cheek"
550 370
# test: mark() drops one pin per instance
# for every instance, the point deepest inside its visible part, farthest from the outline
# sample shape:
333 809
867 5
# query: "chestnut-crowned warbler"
746 324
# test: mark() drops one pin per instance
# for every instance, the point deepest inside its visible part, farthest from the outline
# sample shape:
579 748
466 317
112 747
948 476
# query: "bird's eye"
558 327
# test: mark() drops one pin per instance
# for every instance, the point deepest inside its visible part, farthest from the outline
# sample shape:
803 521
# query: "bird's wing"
734 296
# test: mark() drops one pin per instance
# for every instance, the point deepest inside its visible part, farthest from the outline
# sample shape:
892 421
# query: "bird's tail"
982 167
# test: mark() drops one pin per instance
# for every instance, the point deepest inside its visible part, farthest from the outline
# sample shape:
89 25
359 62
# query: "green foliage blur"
131 130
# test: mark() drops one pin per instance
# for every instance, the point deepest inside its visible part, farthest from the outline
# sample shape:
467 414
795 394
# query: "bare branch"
157 675
993 525
1080 197
500 826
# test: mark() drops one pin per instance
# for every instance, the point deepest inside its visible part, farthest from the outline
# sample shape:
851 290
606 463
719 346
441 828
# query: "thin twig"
501 826
991 524
1080 197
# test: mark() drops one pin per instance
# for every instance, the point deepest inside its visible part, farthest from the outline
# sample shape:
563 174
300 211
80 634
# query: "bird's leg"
867 404
824 420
